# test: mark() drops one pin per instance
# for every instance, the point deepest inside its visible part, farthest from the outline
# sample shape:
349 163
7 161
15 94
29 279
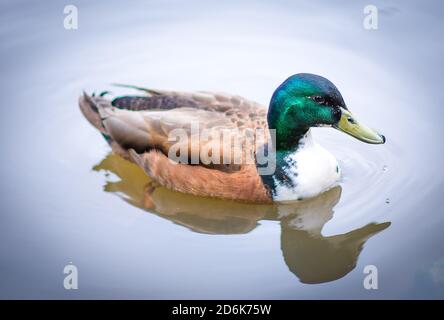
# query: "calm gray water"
65 199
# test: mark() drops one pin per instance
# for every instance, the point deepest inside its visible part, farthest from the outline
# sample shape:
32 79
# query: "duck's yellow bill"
351 126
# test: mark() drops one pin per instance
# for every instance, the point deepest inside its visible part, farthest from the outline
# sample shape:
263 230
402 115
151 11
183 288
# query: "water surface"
65 199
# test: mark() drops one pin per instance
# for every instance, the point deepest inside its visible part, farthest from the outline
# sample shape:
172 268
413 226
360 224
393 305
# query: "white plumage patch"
311 169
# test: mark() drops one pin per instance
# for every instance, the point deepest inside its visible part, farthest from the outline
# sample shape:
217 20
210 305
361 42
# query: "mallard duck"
139 128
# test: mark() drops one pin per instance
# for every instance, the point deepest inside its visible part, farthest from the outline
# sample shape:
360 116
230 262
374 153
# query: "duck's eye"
319 99
351 120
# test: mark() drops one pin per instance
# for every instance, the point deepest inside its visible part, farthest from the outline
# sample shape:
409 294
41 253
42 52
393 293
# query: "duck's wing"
199 127
150 129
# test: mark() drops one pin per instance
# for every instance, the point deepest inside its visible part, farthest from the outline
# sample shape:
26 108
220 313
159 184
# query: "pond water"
66 199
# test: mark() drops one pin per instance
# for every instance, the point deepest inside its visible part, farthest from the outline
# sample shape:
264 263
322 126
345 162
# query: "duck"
159 131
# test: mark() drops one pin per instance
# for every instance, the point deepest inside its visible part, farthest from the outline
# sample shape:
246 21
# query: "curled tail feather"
90 109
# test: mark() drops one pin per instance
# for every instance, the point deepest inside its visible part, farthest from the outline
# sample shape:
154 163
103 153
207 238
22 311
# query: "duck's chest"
304 173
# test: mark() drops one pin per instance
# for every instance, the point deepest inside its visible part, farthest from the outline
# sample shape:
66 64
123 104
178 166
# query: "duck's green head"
307 100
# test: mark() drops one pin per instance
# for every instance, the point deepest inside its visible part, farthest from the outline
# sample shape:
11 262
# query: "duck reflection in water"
312 257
